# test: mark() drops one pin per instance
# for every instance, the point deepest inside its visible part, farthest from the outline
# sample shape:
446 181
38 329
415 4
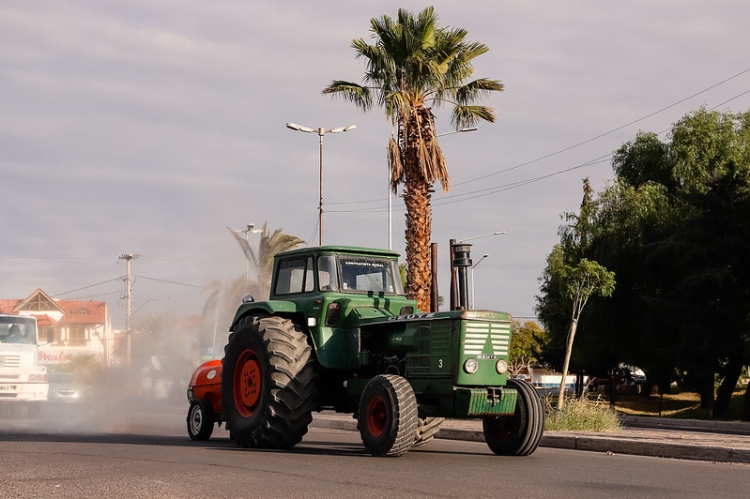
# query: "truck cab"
23 380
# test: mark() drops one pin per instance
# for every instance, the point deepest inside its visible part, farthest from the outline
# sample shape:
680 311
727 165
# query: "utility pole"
128 302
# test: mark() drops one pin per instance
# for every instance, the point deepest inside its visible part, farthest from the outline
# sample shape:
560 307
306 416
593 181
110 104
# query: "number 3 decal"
440 363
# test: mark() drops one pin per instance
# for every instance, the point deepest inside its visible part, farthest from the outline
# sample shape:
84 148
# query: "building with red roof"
66 328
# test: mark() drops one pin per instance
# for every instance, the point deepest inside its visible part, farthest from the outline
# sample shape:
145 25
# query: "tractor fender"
270 307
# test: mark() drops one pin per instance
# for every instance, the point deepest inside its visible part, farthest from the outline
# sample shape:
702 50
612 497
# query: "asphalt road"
161 461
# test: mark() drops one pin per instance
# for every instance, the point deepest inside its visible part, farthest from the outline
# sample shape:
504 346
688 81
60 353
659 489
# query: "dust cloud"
145 394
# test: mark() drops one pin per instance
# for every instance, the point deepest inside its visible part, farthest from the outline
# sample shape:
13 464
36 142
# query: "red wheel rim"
248 382
377 416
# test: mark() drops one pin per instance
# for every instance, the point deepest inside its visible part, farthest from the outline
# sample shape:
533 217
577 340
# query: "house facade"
67 328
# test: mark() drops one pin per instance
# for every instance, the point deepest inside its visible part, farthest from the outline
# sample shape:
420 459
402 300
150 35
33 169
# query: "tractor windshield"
362 274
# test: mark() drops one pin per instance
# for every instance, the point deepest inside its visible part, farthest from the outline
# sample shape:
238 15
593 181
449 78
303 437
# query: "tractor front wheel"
519 434
387 417
268 385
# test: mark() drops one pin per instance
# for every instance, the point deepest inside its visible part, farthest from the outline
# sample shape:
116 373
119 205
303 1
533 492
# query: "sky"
150 126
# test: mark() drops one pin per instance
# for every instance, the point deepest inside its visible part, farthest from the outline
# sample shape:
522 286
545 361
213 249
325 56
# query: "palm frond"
469 116
474 90
394 164
242 240
353 92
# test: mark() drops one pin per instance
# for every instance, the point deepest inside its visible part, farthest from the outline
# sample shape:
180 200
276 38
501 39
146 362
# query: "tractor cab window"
327 276
361 274
295 276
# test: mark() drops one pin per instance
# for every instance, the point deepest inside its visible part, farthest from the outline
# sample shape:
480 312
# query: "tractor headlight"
471 366
501 366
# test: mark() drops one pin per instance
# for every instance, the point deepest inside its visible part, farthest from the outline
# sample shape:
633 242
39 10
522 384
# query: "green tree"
526 346
413 66
675 227
579 283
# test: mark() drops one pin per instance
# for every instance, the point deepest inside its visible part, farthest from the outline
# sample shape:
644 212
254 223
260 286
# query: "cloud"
149 126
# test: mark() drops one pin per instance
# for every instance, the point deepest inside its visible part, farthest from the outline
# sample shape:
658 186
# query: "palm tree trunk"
418 235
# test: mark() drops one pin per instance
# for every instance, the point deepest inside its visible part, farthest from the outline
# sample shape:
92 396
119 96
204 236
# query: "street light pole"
472 278
496 233
321 132
249 230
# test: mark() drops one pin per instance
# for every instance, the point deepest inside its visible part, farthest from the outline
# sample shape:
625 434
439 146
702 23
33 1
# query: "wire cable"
505 187
90 286
168 282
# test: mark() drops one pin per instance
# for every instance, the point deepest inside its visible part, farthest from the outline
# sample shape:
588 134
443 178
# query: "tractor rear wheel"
200 420
387 417
519 434
268 384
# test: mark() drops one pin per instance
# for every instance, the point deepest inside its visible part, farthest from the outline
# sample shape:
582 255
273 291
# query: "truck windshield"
362 274
16 329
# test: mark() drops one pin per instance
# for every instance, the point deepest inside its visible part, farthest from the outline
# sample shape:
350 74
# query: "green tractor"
339 334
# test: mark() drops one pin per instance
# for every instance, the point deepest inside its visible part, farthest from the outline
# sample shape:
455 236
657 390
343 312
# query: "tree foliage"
675 227
526 345
414 65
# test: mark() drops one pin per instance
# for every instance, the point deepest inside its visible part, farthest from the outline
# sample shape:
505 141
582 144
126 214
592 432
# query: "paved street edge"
606 443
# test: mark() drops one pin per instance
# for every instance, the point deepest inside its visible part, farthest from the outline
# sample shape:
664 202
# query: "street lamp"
496 233
321 132
247 231
462 130
472 278
390 196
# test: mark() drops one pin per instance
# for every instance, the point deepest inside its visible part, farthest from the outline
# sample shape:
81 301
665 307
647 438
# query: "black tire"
427 428
200 420
519 434
387 417
268 385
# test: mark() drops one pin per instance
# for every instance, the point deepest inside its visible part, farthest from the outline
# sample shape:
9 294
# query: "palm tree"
262 260
413 65
225 296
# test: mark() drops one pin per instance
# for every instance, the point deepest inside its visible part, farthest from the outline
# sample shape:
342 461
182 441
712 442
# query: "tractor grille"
478 334
438 338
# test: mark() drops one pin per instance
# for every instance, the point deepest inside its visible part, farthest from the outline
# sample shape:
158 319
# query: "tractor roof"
341 250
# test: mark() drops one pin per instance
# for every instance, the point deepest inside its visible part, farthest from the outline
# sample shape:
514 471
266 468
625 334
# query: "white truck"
23 381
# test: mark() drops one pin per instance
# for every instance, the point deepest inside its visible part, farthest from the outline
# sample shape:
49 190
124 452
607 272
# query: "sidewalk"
680 439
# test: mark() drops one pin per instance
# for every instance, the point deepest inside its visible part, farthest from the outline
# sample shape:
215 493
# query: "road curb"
604 443
710 426
652 449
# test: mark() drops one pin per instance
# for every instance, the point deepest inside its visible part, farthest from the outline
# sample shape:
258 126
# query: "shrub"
581 415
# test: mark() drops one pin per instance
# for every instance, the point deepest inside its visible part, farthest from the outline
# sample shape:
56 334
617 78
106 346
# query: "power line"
90 286
97 295
58 257
488 191
611 131
536 179
170 282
